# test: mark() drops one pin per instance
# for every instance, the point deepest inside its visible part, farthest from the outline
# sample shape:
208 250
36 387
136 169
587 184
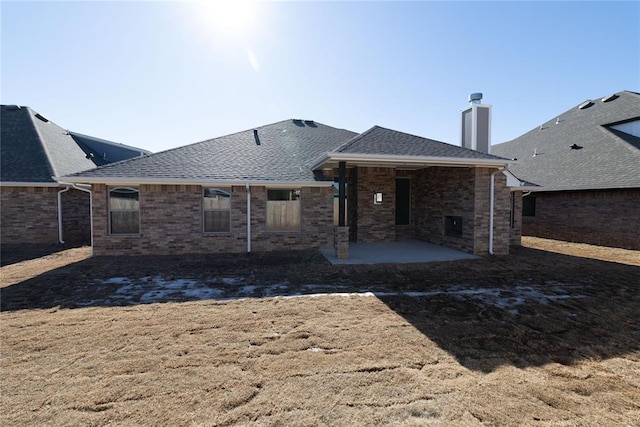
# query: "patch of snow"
116 280
247 290
507 298
150 289
128 289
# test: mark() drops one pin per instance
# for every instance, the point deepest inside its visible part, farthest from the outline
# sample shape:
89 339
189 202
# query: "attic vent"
298 122
44 119
610 98
310 123
585 105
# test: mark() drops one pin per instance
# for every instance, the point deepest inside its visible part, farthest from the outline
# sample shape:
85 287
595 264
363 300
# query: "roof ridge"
352 140
31 114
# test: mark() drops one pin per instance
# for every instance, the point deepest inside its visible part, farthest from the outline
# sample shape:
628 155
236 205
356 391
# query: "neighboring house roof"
103 152
386 146
606 147
279 152
34 149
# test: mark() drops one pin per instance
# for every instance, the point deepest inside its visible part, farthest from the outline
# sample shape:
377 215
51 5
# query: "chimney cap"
475 98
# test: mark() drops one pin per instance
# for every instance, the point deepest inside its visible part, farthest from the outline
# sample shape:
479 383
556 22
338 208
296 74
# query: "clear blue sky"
163 74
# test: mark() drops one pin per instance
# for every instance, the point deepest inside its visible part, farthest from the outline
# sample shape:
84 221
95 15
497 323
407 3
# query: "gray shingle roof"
379 140
280 151
608 158
33 149
104 152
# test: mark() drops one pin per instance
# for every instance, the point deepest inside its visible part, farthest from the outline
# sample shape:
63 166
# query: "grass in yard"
446 355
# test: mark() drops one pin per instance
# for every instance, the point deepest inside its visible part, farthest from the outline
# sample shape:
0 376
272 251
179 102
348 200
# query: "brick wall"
171 223
316 227
28 214
376 223
502 210
445 192
461 192
76 218
515 236
607 218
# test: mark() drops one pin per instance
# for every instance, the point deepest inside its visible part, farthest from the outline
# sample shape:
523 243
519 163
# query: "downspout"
66 188
248 188
86 190
491 209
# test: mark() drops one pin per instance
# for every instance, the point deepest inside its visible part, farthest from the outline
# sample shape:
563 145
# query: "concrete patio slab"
399 252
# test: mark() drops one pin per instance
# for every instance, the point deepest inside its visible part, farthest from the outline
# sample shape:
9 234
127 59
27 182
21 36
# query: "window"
216 210
124 210
283 210
529 206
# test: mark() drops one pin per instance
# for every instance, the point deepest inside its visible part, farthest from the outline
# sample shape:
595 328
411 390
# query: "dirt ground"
549 335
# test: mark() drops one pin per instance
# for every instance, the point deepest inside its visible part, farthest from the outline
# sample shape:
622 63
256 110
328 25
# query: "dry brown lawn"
563 349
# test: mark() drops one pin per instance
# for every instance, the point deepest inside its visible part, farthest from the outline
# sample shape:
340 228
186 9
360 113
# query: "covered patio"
398 252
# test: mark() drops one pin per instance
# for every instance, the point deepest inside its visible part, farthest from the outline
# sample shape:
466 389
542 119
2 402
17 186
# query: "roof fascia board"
205 182
382 159
29 184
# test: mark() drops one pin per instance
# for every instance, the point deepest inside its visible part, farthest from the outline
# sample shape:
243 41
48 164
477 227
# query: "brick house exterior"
605 217
586 167
303 158
29 215
35 208
172 222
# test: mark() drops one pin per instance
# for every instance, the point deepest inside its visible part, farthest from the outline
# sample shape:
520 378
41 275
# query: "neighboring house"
35 208
586 162
272 188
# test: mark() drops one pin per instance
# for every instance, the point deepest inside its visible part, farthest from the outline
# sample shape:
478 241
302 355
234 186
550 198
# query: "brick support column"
341 242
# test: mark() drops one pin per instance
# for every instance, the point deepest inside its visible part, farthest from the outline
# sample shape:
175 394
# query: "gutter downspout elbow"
66 188
491 209
248 188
